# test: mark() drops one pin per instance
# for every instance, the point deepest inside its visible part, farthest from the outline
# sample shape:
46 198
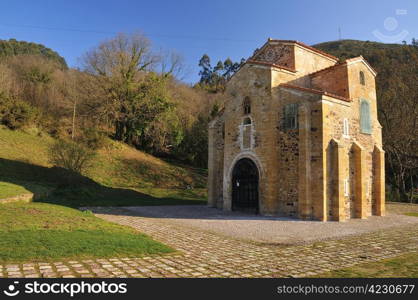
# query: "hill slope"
120 175
13 47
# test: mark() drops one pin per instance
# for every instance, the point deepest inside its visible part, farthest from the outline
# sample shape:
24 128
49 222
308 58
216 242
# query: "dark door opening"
245 186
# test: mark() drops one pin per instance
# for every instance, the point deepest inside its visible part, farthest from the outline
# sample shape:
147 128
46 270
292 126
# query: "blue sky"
221 29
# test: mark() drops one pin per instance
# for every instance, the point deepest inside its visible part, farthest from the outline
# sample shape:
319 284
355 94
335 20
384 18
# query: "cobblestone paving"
205 254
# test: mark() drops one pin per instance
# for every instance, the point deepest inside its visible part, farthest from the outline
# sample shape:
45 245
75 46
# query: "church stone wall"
312 172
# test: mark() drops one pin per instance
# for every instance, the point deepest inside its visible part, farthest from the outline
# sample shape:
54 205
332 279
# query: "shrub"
93 139
16 114
70 155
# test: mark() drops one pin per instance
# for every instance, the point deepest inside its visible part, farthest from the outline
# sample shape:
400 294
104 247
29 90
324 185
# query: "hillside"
120 175
397 96
13 47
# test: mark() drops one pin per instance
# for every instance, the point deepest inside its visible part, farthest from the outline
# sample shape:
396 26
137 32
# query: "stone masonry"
308 122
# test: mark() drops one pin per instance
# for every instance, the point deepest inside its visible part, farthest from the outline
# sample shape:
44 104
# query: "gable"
277 54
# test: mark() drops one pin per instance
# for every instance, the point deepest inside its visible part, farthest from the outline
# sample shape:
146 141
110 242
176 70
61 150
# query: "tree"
118 65
214 79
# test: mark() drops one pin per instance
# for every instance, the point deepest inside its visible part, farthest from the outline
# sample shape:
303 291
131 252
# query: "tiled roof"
328 68
315 91
305 46
354 59
363 60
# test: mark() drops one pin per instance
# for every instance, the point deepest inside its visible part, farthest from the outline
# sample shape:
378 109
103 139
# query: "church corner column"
379 181
360 181
304 184
339 167
211 165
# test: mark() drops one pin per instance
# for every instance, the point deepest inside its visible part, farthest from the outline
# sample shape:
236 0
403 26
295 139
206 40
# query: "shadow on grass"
74 190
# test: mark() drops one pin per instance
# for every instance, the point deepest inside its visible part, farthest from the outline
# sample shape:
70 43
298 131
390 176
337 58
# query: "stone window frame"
247 122
346 187
365 117
362 78
247 105
346 128
290 116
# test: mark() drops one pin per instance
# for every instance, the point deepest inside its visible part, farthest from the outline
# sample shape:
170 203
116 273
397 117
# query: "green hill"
120 175
13 47
397 96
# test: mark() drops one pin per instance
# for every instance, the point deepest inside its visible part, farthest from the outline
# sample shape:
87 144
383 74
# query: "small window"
362 79
365 120
291 116
247 106
346 187
346 128
246 134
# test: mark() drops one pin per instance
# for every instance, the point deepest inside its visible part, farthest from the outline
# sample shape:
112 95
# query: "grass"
8 190
405 265
119 176
412 214
43 232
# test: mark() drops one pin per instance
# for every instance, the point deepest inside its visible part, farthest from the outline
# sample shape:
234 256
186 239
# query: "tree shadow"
74 190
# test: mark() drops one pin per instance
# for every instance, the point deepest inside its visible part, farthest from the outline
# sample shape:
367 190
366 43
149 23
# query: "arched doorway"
245 186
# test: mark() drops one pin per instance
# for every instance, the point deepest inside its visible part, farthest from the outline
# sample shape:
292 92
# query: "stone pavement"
206 254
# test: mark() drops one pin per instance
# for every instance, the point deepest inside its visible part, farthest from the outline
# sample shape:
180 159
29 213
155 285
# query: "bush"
16 114
93 139
70 155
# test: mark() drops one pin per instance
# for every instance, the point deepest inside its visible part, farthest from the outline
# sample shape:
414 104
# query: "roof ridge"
305 46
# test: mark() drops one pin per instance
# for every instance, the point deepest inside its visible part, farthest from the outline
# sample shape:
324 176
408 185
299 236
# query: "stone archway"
245 179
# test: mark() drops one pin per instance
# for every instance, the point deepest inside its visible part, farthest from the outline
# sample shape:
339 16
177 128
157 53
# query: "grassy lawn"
412 214
405 265
8 190
119 175
41 232
104 196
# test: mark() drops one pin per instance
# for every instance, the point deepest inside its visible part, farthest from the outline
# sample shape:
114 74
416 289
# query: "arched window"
247 121
365 120
247 106
362 79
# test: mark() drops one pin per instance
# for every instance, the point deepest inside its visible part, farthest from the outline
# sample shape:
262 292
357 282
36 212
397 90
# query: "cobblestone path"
206 254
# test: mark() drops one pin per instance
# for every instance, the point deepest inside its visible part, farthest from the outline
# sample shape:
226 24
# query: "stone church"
298 136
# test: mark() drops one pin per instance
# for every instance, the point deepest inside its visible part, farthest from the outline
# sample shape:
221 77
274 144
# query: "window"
246 133
291 116
362 79
346 128
247 106
365 121
346 187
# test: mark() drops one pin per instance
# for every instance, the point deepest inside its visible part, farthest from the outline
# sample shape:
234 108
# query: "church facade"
298 136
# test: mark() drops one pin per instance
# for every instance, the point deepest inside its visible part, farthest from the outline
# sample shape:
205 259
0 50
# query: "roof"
314 91
362 59
347 62
303 45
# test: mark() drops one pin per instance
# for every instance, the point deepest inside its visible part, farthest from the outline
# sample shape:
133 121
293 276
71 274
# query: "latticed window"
365 120
247 106
290 112
362 79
